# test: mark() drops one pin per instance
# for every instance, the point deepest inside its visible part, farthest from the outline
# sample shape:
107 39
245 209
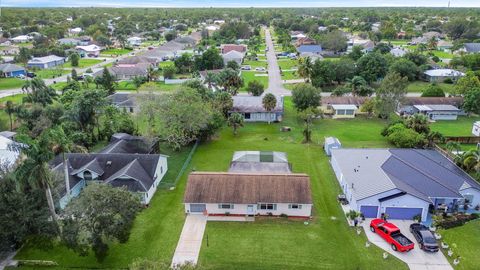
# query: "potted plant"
417 218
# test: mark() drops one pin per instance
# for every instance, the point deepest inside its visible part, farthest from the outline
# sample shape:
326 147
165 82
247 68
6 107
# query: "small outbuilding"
476 128
331 143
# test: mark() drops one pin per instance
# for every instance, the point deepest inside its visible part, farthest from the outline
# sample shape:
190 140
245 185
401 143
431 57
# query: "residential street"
275 84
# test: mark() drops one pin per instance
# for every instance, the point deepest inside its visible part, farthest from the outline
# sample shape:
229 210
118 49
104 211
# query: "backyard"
249 76
419 86
51 73
467 239
266 243
83 63
10 83
111 52
461 127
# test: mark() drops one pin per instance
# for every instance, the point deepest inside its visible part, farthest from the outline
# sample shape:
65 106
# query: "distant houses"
91 50
46 62
134 41
21 39
11 70
233 52
471 47
124 101
126 72
436 108
440 75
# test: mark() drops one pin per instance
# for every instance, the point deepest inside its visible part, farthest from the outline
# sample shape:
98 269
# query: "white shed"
476 128
331 143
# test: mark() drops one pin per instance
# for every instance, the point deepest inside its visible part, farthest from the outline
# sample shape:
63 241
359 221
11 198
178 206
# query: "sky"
238 3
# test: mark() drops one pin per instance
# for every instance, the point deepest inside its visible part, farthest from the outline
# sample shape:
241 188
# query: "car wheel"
394 247
422 246
372 229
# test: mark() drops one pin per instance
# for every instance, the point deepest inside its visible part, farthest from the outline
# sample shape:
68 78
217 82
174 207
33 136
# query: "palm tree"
453 146
235 121
419 123
356 83
432 44
38 92
210 79
152 74
269 102
305 67
10 109
434 136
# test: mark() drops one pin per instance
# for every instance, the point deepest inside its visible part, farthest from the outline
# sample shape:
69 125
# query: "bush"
169 72
448 81
403 137
457 220
284 215
433 90
255 88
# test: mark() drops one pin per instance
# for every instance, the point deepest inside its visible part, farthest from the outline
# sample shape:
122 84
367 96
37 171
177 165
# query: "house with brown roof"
305 41
342 107
226 48
248 194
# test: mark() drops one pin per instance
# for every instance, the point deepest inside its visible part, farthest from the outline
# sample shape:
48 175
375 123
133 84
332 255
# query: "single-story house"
314 49
90 50
9 50
139 173
75 31
398 52
294 35
226 48
135 60
438 112
331 104
11 70
8 134
168 50
248 194
124 101
251 107
233 56
476 128
123 143
313 56
5 41
331 143
69 41
9 152
439 75
444 45
344 111
305 41
471 47
126 72
134 41
259 162
21 39
46 62
402 183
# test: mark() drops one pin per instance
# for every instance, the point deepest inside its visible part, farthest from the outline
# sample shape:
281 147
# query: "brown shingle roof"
455 101
245 188
345 100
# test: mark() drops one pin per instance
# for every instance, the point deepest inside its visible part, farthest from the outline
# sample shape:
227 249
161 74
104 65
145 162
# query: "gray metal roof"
252 104
472 47
10 67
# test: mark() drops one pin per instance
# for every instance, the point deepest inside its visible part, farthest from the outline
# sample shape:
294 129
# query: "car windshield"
429 240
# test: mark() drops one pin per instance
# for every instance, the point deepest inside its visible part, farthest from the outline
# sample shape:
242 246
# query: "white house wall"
160 172
475 193
241 209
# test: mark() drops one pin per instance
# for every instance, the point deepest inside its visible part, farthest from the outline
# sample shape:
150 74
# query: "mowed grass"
51 73
249 76
290 75
467 239
84 63
419 86
4 118
10 83
461 127
255 64
110 52
324 243
287 64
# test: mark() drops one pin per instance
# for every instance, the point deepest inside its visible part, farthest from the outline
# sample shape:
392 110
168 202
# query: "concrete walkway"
6 259
190 242
275 84
416 259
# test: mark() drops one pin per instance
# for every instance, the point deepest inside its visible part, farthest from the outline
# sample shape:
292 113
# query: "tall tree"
306 96
372 66
235 120
74 59
390 94
106 81
10 109
230 80
305 67
255 88
38 92
269 102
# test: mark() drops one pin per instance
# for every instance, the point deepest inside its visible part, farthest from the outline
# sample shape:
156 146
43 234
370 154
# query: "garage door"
197 208
403 213
369 211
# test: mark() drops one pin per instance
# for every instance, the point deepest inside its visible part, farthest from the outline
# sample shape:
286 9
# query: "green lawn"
398 42
51 73
110 52
84 63
249 76
287 63
461 127
419 86
290 75
442 54
10 83
166 63
255 64
467 239
4 119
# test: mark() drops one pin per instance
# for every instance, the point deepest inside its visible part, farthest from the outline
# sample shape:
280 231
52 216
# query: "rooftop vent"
109 163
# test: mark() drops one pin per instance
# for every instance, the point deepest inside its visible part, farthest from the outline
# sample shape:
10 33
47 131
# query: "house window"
225 206
294 206
267 206
161 169
247 115
87 175
131 109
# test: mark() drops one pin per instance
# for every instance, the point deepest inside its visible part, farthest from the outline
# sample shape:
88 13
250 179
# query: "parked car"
80 77
31 75
260 69
246 67
391 233
21 76
424 237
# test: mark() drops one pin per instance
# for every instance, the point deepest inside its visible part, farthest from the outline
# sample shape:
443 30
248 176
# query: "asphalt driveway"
416 259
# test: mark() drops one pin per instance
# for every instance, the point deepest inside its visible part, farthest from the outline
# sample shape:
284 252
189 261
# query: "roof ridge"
249 173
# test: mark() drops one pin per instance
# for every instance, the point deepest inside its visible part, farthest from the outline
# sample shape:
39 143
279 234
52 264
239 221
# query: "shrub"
448 80
284 215
403 137
433 90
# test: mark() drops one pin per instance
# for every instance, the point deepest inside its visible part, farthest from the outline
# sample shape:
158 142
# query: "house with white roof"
21 39
402 183
398 52
9 152
439 75
75 31
233 56
90 50
134 41
46 62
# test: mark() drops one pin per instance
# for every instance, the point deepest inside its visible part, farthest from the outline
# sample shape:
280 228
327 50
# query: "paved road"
275 85
190 242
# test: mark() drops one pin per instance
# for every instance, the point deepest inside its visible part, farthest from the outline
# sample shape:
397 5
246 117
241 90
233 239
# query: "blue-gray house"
402 183
46 62
312 49
11 70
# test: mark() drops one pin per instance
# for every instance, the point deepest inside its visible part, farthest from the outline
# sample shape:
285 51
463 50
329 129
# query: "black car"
425 237
31 75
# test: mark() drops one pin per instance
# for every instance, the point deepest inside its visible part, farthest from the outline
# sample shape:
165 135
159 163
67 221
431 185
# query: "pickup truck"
391 234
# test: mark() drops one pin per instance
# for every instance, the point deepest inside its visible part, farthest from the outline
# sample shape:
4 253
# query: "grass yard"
4 119
110 52
290 75
467 239
287 63
397 42
10 83
461 127
51 73
419 86
249 76
83 63
166 63
442 54
255 64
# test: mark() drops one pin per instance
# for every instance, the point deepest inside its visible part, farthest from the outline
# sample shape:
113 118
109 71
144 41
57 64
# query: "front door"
250 210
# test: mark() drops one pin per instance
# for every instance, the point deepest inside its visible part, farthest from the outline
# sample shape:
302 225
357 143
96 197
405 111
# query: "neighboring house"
331 143
46 62
322 28
11 70
69 41
411 105
226 48
124 101
21 39
438 112
139 173
444 45
9 50
313 56
367 46
168 50
134 41
248 194
313 49
471 47
233 56
343 111
8 134
126 72
75 31
252 109
90 50
294 35
476 128
123 143
9 152
439 75
305 41
5 41
187 40
135 60
402 183
331 104
260 162
398 52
